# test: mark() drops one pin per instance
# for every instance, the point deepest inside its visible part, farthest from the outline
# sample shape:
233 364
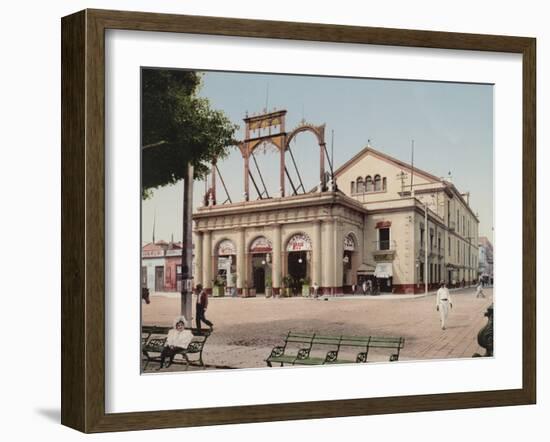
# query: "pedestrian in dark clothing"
202 305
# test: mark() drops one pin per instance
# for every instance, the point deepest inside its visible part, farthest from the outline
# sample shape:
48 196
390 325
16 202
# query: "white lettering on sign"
173 252
152 253
261 245
227 247
224 263
298 243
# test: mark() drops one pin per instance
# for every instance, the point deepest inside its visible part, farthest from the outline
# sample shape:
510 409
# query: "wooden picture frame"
83 220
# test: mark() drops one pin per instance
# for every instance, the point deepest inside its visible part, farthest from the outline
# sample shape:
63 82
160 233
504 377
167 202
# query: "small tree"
178 128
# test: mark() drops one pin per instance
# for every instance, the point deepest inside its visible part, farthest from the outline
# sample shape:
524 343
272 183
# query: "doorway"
259 279
297 269
159 279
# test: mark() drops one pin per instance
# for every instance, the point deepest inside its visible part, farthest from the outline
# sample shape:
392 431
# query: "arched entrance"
298 258
226 263
349 263
260 252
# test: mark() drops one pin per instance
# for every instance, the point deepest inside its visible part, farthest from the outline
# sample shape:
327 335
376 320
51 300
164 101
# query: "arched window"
360 185
384 183
368 184
377 182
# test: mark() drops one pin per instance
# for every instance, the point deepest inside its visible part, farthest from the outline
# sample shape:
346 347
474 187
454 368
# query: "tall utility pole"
187 249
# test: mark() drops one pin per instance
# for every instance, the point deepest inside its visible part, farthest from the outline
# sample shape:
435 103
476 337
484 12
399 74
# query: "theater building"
377 219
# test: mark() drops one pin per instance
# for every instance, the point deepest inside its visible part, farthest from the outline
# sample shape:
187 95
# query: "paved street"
245 330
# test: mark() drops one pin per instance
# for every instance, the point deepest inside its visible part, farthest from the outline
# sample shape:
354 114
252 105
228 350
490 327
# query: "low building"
161 266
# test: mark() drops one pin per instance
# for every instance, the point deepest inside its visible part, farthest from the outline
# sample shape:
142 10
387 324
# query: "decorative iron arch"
318 131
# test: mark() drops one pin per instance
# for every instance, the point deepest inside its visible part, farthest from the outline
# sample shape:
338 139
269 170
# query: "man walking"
479 291
202 305
442 303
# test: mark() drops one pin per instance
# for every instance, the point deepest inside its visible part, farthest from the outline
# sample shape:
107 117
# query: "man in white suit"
442 303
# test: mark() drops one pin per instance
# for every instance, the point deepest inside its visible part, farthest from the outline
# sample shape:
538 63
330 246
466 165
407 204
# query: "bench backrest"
299 338
386 342
153 338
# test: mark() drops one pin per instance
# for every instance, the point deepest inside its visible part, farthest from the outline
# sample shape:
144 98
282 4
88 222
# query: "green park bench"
312 349
153 340
288 352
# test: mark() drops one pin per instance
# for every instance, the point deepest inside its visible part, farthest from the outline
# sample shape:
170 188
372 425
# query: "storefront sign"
227 247
299 243
224 263
152 253
173 252
384 270
261 245
349 243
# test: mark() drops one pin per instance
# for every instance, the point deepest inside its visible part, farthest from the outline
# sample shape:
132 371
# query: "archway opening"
298 257
260 255
297 270
226 264
349 263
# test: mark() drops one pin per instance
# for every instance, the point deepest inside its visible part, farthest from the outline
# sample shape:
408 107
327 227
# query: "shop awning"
383 270
365 268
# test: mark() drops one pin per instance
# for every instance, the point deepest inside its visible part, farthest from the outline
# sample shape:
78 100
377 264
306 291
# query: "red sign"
261 245
383 224
299 243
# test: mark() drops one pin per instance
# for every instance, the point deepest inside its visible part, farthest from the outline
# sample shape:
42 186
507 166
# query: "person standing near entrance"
202 305
442 304
315 290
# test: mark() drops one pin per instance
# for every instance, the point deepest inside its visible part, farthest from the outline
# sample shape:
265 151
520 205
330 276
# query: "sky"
451 125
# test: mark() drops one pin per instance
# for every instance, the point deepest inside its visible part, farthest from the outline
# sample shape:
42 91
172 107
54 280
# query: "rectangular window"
421 237
384 239
431 239
449 246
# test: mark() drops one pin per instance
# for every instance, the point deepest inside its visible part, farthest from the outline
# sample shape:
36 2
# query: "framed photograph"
268 221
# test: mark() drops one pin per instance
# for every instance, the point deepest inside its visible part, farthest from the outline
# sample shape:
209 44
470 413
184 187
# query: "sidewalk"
335 297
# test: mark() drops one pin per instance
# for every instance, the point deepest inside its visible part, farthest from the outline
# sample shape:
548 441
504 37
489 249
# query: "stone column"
316 254
276 258
207 256
329 254
338 253
197 274
241 264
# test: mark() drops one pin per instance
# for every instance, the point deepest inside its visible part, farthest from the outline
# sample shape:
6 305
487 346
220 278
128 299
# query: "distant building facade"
485 260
